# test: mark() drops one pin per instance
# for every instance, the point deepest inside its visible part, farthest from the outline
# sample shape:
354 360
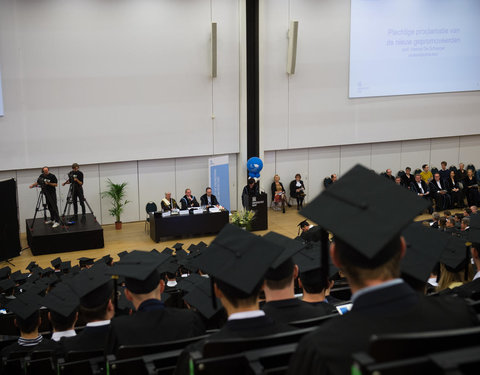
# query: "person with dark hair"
188 200
249 190
388 174
237 285
382 302
95 292
62 304
470 186
444 172
455 191
407 177
426 174
152 322
297 190
75 177
438 190
48 183
208 199
27 319
280 302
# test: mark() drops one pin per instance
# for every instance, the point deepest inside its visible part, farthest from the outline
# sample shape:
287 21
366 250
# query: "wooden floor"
133 237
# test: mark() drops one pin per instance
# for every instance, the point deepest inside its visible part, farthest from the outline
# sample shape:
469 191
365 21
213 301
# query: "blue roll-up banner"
218 175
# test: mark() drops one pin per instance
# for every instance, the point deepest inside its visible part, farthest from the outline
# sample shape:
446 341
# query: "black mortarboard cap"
167 250
282 267
200 297
238 258
62 300
179 254
168 266
309 259
47 271
424 248
303 223
6 285
192 247
366 211
5 272
455 256
201 244
56 262
92 286
20 277
65 266
31 266
188 283
474 231
25 305
140 269
122 254
84 261
177 246
75 270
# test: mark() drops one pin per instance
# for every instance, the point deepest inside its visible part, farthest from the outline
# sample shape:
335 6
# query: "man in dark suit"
251 189
438 190
152 322
27 319
237 285
188 200
208 199
388 174
382 302
95 291
420 188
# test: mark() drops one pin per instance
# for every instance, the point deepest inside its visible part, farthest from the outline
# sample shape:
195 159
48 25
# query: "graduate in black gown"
382 302
27 318
281 304
152 322
95 291
237 285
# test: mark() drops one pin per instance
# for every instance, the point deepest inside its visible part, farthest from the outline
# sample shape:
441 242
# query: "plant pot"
118 225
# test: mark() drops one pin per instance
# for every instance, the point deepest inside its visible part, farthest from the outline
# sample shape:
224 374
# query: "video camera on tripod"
42 181
72 175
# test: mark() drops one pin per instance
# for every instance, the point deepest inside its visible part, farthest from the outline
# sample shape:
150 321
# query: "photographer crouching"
48 182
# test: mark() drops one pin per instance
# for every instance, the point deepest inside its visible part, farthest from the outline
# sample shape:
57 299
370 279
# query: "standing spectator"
407 178
444 172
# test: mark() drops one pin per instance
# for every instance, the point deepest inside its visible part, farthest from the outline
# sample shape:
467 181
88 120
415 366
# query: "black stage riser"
44 239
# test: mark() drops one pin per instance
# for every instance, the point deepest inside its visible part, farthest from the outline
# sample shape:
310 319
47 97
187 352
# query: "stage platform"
83 235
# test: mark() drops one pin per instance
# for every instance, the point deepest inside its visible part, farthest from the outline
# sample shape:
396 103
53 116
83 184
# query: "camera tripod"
43 200
69 202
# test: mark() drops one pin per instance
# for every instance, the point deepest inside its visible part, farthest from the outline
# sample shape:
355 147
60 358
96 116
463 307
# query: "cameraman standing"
75 177
48 182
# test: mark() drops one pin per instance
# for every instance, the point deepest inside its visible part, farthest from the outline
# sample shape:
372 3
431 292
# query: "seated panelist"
168 203
188 200
208 199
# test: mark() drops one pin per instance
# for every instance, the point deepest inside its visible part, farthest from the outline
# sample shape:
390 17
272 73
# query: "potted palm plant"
116 193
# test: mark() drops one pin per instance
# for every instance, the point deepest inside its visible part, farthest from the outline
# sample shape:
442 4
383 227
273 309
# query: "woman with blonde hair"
278 193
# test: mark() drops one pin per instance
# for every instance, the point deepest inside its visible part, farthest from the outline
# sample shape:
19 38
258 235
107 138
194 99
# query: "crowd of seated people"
244 287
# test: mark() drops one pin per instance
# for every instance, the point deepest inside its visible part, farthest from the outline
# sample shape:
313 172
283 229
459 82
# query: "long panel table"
181 225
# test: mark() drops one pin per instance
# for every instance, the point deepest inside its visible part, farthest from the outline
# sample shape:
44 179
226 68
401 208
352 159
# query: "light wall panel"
322 163
386 156
119 173
415 153
355 154
444 149
470 150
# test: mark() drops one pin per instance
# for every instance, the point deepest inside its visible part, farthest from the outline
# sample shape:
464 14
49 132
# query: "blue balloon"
254 166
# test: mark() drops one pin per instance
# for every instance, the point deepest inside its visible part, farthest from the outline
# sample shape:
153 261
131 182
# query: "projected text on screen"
400 47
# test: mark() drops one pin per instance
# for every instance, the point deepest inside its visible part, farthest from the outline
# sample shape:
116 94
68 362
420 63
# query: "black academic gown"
45 344
291 310
186 203
394 309
153 323
239 328
468 290
91 338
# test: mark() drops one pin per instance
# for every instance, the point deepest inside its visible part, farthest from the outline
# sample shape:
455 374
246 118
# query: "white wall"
108 81
314 164
147 180
311 108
